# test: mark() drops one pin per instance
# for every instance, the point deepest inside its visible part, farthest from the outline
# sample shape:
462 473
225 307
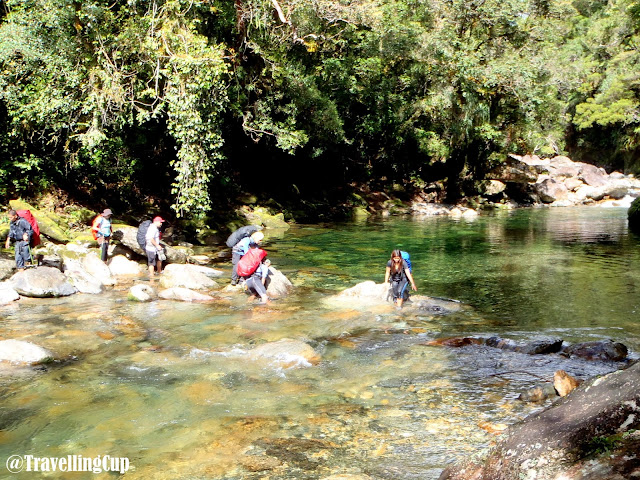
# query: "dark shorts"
400 289
152 258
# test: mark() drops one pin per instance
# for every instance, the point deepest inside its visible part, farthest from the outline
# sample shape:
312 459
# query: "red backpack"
28 216
250 261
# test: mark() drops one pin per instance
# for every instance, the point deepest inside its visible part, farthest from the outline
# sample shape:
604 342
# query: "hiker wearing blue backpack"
398 273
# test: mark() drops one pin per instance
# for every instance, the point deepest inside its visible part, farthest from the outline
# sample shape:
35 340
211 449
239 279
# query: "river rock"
97 268
502 343
184 295
368 291
54 261
564 383
51 225
122 266
550 190
187 276
514 170
599 350
199 260
18 351
42 282
539 393
261 216
633 216
141 293
8 293
541 346
277 284
561 439
81 279
285 353
6 268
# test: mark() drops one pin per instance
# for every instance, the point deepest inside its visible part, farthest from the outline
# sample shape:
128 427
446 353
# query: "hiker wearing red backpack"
20 232
101 229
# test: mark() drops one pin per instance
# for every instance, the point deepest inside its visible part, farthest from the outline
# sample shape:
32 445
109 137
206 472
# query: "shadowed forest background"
193 104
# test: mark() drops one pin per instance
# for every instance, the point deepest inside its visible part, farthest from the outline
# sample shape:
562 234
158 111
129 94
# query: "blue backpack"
406 258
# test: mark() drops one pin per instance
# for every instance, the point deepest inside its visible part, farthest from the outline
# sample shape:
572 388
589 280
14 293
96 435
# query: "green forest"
191 104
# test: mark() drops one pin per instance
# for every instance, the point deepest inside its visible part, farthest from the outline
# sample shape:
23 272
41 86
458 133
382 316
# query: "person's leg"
151 261
235 258
105 248
401 296
19 256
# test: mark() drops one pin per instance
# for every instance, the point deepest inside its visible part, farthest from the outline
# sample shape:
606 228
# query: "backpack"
240 233
28 216
250 261
142 234
95 226
406 258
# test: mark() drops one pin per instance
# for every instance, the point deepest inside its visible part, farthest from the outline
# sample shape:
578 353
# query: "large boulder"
565 438
50 224
122 266
18 351
261 216
514 170
81 279
7 293
184 295
187 276
6 267
368 291
633 216
98 269
42 282
550 190
277 284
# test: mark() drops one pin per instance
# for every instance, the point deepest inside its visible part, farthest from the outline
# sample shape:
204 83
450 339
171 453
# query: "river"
170 386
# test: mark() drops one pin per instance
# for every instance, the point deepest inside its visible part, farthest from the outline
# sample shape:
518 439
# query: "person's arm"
28 231
265 271
387 273
410 277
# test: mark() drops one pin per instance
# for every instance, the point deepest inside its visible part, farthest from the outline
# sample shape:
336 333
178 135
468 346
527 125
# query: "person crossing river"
399 274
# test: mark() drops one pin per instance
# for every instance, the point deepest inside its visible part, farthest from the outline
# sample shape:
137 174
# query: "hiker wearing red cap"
153 249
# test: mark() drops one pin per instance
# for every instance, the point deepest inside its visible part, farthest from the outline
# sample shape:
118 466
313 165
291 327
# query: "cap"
257 237
158 219
106 212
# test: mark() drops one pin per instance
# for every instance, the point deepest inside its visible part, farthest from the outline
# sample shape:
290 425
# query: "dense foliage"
182 99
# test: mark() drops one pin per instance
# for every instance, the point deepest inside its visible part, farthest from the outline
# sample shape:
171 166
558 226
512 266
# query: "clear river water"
171 386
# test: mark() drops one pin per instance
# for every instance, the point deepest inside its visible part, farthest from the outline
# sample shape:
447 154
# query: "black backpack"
240 233
142 232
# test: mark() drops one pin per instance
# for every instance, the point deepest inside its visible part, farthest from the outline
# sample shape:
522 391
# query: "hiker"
153 249
20 232
102 230
254 270
241 248
256 283
399 275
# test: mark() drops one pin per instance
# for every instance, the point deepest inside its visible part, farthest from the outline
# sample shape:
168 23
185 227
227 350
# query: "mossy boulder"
633 215
261 216
51 225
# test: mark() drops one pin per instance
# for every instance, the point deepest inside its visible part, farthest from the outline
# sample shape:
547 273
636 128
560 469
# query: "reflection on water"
173 386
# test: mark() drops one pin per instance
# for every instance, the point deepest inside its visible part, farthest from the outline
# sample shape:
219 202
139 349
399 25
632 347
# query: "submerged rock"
18 351
539 393
42 282
286 353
